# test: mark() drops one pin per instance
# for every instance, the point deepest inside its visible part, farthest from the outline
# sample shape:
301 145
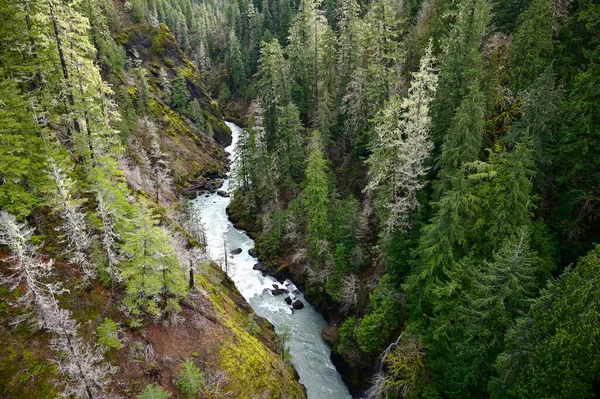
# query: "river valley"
310 354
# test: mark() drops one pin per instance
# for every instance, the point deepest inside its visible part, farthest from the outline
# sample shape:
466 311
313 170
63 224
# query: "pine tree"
531 48
154 281
500 291
236 64
143 104
289 145
273 83
195 112
459 69
22 154
463 141
181 95
317 194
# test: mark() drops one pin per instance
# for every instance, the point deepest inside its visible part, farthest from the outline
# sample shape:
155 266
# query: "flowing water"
310 354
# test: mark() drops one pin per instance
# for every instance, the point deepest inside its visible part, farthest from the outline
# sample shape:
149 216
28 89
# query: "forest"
427 171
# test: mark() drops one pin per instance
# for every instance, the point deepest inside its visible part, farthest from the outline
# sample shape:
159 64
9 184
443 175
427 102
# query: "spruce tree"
180 95
317 195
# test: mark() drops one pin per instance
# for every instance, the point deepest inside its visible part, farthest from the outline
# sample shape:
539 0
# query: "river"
310 354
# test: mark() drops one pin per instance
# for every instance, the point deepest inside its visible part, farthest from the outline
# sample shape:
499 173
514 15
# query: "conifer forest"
421 177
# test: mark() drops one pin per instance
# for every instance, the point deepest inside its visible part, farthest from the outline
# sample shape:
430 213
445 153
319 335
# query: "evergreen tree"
463 141
180 96
74 226
317 196
289 145
495 295
154 281
143 104
552 351
22 154
236 64
531 48
459 69
273 84
398 163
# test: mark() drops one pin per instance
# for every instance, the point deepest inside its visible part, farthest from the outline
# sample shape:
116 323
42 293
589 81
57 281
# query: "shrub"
154 392
190 381
108 334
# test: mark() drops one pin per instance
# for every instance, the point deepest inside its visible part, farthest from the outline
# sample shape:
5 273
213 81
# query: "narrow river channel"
310 354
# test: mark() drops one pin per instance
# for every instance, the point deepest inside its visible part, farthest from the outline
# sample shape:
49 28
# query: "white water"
310 354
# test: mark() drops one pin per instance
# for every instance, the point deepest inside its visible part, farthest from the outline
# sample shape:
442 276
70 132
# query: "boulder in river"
223 193
259 266
277 291
288 300
252 252
298 304
236 251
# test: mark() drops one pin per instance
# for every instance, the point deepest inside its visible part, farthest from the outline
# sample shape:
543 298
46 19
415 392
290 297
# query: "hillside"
106 126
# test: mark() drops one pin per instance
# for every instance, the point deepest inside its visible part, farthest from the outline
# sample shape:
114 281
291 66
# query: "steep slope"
110 242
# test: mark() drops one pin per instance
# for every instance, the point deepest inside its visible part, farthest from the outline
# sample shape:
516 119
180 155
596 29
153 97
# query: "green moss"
23 374
162 38
252 368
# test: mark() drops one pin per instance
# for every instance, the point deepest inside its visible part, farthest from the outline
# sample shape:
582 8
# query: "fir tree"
317 194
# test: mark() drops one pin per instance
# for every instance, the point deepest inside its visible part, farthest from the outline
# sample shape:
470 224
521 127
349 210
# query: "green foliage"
108 334
253 327
143 93
153 392
378 327
195 112
180 95
22 154
316 193
553 350
190 380
284 336
531 49
224 93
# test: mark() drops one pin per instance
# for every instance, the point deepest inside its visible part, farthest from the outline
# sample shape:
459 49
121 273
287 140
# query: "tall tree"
398 163
553 349
317 194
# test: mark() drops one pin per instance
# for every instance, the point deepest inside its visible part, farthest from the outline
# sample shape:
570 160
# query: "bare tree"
27 268
82 365
74 228
350 291
109 236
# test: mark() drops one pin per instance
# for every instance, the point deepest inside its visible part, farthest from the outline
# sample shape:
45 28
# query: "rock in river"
298 304
259 266
288 300
277 291
223 193
236 251
252 252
